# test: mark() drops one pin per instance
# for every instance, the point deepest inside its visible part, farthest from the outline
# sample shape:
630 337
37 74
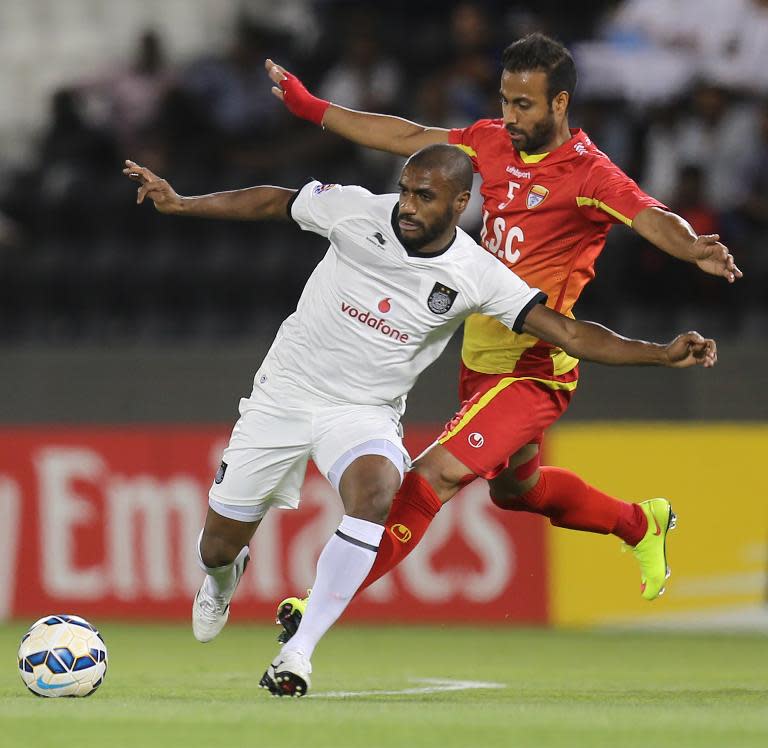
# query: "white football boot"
210 612
288 674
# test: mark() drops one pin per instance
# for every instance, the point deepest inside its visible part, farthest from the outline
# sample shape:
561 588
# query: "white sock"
342 567
219 580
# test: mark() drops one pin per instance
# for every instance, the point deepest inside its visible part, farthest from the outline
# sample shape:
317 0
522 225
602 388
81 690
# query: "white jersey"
373 316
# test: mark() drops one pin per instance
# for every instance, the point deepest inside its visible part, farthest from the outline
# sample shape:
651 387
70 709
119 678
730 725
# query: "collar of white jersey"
415 252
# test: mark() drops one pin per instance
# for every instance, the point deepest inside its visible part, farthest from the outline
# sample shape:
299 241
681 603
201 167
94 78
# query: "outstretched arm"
380 131
250 204
593 342
675 236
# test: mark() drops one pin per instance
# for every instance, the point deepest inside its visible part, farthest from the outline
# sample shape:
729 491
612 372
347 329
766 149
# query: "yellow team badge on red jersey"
401 533
536 196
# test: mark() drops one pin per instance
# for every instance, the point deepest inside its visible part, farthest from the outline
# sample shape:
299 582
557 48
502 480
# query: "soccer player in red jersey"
549 198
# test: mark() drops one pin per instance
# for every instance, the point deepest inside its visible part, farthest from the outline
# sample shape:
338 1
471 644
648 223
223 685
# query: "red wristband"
301 102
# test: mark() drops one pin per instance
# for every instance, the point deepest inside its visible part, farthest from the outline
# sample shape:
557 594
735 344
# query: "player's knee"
440 477
368 486
217 551
510 488
510 492
443 472
371 503
508 497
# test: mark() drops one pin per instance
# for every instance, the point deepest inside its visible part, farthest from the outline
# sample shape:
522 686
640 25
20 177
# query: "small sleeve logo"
323 188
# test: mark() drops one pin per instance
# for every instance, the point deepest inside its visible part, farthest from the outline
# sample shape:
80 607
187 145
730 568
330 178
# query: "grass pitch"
560 689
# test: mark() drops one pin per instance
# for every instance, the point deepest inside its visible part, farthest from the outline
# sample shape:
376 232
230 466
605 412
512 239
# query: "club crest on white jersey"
441 298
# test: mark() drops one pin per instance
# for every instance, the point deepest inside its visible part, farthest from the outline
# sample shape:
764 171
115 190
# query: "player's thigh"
263 465
343 434
497 422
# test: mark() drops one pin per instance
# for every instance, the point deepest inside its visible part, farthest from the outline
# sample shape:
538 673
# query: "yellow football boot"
289 613
651 551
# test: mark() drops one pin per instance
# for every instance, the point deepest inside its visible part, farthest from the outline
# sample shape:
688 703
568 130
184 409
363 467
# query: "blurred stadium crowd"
676 92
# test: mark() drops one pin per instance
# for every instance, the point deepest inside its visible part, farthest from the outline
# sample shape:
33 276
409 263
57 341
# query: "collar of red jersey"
577 135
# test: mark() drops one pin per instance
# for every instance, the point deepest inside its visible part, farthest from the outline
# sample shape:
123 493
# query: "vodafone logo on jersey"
379 324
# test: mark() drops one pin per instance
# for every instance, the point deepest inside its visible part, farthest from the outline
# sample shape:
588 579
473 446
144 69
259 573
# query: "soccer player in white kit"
398 279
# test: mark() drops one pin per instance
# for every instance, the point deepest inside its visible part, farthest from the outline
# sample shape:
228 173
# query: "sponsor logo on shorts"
220 473
375 323
401 533
476 440
441 298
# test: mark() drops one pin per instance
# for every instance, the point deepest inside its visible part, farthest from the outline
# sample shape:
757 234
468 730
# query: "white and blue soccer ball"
62 655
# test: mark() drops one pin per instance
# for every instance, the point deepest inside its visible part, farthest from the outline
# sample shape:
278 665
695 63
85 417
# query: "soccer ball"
62 655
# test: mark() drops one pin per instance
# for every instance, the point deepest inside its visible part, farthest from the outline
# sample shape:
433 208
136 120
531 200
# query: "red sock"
413 509
569 502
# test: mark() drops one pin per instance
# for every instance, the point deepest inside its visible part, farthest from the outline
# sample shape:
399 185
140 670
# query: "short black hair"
450 159
542 53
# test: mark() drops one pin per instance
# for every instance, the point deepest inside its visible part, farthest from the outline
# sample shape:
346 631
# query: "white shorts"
280 427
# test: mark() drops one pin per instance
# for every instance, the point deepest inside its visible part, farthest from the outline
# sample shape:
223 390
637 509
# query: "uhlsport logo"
476 440
518 172
401 533
536 196
441 298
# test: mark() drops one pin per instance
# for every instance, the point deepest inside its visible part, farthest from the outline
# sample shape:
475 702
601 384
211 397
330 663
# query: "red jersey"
546 217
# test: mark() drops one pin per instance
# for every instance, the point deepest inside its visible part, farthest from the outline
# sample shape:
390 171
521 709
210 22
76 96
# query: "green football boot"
289 613
651 551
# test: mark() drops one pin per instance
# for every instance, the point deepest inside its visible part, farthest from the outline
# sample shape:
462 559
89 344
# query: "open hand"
691 349
277 75
714 257
292 92
155 188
